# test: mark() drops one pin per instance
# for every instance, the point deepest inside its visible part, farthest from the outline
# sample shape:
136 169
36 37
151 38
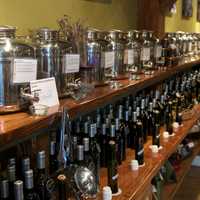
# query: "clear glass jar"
146 63
17 68
48 53
91 72
116 47
132 52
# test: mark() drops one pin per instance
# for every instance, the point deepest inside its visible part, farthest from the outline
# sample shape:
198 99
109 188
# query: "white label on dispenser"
108 59
46 90
24 70
129 56
71 63
190 46
145 54
158 51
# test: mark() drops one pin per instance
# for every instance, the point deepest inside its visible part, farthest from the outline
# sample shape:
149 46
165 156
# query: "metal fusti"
10 49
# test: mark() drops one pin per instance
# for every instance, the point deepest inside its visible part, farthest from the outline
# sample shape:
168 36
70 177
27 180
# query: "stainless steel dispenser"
17 68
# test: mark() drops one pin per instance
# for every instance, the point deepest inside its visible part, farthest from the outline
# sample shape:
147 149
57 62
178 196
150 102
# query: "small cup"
166 134
107 193
154 149
175 127
134 165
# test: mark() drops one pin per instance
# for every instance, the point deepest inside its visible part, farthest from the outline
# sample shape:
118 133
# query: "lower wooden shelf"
133 184
171 189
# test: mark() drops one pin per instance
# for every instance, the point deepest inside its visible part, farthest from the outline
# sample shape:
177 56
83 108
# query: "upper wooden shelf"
15 127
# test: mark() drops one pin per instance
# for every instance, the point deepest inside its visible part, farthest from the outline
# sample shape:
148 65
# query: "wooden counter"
133 184
17 126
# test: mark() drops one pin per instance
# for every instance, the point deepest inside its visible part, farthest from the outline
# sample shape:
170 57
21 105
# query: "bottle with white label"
146 63
17 68
131 53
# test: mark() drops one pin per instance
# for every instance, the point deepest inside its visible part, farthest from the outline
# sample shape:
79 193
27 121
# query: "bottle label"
158 51
24 70
145 54
71 63
115 177
129 56
108 59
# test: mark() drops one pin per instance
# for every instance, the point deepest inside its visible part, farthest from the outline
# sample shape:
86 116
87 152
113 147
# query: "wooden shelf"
171 189
15 127
134 183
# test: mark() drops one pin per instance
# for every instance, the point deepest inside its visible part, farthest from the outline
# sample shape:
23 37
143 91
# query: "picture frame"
187 8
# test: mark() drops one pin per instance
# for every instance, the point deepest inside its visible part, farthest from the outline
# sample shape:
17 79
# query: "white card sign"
24 70
46 90
108 59
71 63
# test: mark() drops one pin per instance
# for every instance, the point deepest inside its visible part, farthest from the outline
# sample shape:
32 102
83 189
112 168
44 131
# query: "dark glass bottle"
103 145
139 150
11 179
18 190
95 151
156 132
117 137
112 167
131 139
53 162
41 177
143 118
74 148
30 194
5 190
127 127
80 155
62 192
150 119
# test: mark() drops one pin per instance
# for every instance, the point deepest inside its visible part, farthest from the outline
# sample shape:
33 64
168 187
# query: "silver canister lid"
7 31
4 189
86 144
18 190
112 130
80 152
93 130
41 160
47 34
25 165
29 179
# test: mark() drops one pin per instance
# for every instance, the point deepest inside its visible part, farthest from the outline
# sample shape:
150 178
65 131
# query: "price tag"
46 90
145 54
71 63
24 70
108 59
129 56
158 51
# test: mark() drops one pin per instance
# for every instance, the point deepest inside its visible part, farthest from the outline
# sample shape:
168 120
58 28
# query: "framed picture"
187 8
198 10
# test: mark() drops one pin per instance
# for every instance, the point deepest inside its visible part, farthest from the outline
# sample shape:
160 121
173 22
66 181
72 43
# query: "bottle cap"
11 173
86 144
29 179
151 107
117 123
103 129
25 165
138 111
134 116
127 116
134 165
4 189
93 130
86 127
143 104
41 160
18 190
107 193
112 131
52 148
80 153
